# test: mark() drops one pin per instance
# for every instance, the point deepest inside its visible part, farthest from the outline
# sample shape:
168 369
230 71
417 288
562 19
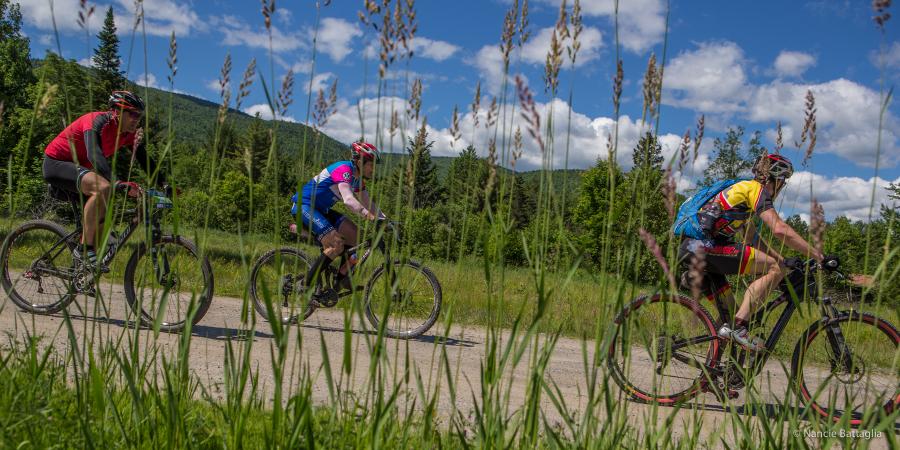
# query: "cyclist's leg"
757 291
68 177
711 272
332 242
348 231
97 190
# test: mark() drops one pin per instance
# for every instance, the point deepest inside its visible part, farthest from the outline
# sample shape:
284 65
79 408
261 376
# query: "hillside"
194 121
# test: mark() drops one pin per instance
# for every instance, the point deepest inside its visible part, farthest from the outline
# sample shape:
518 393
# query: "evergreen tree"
15 72
251 151
107 62
648 153
418 178
465 180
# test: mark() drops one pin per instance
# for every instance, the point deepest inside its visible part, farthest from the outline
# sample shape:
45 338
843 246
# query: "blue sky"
739 63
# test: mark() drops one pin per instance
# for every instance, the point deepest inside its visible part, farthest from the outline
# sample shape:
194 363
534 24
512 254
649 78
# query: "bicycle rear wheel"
662 347
279 276
405 297
38 267
170 284
851 372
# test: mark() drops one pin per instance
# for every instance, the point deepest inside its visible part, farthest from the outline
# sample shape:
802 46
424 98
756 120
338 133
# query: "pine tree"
648 153
251 151
465 180
418 179
107 62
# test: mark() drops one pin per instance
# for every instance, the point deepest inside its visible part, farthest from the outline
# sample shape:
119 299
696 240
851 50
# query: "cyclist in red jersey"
77 161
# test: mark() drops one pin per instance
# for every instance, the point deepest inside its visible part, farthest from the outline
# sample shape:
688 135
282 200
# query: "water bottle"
353 258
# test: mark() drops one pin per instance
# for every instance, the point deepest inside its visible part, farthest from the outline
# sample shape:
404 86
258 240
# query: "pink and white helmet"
365 151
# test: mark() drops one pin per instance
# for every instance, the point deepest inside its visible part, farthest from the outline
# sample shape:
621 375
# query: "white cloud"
846 118
890 58
839 196
265 112
320 81
86 62
214 85
642 23
709 79
162 17
147 79
792 64
489 60
431 49
45 39
535 50
587 140
238 32
336 37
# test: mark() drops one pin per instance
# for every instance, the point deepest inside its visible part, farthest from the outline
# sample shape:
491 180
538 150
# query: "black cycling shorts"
65 175
722 258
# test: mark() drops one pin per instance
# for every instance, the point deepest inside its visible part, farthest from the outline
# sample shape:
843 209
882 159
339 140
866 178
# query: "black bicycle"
165 282
401 294
666 350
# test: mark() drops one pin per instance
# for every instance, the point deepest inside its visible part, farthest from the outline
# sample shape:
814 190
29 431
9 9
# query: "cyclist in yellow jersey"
734 247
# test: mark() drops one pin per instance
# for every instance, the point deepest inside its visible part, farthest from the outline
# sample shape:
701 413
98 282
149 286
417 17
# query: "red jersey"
106 126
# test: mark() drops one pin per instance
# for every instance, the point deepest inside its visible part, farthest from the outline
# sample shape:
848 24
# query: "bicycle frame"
369 244
796 283
152 219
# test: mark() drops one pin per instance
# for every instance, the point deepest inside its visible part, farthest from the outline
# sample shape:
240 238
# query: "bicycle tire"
422 327
256 294
10 287
627 318
812 397
203 296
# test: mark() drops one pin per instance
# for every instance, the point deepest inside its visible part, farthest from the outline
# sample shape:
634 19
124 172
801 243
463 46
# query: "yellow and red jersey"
737 204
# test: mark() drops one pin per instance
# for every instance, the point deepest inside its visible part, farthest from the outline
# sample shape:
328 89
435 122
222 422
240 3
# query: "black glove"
831 262
793 263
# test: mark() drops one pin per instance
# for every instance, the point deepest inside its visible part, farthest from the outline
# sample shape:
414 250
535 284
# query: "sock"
322 262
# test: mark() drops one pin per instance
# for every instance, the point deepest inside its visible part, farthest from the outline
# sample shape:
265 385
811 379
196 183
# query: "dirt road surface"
465 348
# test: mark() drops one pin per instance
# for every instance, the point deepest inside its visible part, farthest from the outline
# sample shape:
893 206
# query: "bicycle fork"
840 352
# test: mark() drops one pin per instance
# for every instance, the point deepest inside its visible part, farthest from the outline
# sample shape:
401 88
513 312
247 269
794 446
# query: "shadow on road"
199 330
448 341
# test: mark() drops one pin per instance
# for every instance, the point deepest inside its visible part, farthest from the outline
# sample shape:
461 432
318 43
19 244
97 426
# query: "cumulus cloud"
336 37
265 112
708 79
147 79
847 118
839 196
587 141
432 49
535 50
489 59
162 17
238 32
320 81
792 64
890 58
641 22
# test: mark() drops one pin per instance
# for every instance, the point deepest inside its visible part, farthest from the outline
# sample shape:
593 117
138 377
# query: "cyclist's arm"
352 202
95 150
791 238
756 240
148 164
370 205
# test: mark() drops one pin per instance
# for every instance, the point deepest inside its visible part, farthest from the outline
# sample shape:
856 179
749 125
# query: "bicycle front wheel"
662 348
849 366
169 284
38 267
404 297
278 278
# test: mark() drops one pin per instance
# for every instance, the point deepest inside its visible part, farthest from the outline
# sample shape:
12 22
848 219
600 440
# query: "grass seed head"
698 136
881 13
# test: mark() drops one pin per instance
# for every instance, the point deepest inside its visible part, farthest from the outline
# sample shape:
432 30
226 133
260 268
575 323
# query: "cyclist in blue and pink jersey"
341 181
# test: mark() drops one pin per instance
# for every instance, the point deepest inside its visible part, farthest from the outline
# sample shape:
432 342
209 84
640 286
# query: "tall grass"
94 383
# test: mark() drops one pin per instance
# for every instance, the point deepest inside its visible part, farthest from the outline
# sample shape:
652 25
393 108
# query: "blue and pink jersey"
322 191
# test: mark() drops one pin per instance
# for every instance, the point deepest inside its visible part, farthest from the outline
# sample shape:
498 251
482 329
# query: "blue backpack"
686 222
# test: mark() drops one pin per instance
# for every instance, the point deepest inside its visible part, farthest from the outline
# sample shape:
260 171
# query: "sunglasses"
134 115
